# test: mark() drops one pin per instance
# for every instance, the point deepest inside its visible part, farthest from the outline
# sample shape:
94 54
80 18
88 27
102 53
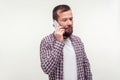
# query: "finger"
62 31
61 27
56 29
59 30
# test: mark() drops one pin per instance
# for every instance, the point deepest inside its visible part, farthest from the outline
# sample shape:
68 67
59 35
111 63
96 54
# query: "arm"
86 64
50 55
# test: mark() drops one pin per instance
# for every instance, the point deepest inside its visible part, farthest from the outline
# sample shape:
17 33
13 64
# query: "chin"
67 34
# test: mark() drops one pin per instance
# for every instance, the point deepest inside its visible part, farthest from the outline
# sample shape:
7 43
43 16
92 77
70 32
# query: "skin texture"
65 21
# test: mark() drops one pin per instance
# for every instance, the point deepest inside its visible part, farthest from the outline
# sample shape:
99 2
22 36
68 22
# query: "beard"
68 33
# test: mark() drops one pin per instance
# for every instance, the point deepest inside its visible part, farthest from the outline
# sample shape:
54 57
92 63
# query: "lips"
68 29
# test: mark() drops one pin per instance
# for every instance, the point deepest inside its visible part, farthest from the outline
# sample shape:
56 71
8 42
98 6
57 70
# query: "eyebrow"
67 18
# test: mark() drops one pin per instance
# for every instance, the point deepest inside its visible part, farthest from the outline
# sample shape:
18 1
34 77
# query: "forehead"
65 14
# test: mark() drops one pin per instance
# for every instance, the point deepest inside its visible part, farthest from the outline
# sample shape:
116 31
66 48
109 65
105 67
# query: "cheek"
63 24
69 29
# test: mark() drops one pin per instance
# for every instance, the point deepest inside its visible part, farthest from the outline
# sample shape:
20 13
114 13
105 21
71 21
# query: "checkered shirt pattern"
51 56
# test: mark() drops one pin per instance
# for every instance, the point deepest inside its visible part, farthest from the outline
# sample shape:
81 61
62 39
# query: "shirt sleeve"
86 64
50 55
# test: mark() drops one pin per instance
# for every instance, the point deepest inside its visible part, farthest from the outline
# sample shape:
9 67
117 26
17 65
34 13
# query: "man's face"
65 19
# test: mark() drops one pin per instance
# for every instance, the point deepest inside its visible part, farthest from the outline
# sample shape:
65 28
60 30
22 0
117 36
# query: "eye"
64 20
71 19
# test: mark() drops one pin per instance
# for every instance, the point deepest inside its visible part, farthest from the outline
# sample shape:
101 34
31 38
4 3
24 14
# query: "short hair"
62 7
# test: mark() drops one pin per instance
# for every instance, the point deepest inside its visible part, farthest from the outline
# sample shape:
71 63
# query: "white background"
23 23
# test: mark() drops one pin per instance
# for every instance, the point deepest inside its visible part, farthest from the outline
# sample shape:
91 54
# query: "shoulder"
48 39
75 38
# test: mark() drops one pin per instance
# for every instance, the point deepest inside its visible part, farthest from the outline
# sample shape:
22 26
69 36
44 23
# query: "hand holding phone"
59 31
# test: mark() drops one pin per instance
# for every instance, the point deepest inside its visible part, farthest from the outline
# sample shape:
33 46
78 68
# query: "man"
62 54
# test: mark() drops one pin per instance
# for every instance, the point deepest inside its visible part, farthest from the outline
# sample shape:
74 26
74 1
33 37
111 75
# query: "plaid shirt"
51 56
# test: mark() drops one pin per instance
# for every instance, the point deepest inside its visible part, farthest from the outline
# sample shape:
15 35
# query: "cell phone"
55 24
